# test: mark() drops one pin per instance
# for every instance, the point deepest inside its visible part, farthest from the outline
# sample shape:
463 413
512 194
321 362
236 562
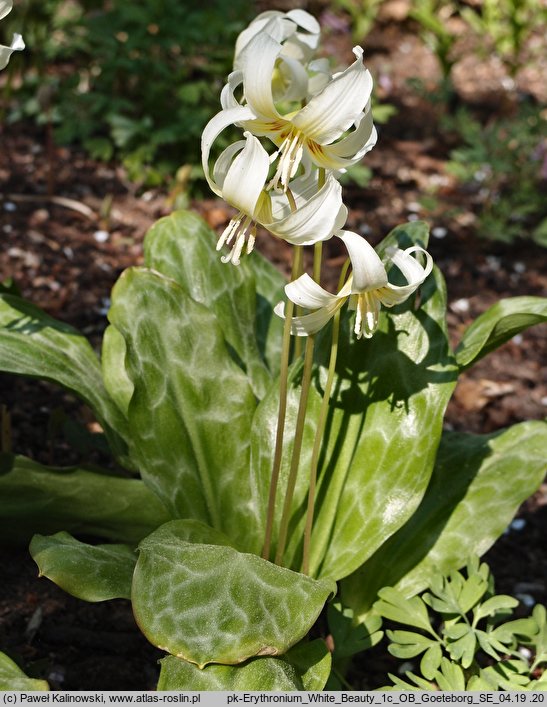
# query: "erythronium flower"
17 43
317 129
239 177
366 288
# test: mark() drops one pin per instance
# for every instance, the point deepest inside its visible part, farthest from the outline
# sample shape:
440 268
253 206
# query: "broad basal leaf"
209 603
497 325
191 409
478 483
305 667
89 572
182 247
34 344
13 678
38 499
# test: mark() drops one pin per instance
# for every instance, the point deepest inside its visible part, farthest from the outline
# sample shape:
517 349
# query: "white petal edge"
333 110
367 268
212 130
260 57
305 292
247 176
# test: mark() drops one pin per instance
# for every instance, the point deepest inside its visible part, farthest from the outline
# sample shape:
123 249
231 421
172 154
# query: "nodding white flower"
318 129
239 177
296 75
367 288
17 43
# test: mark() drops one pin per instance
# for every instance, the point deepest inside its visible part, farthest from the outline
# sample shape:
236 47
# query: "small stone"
439 232
460 306
101 236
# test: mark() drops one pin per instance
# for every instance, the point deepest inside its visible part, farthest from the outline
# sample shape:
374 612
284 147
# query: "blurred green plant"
470 644
433 17
507 25
363 14
134 81
504 163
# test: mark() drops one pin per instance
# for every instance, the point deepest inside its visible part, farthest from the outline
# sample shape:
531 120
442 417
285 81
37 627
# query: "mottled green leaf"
116 380
497 325
191 410
13 678
209 603
183 247
89 572
304 667
34 344
478 483
38 499
258 674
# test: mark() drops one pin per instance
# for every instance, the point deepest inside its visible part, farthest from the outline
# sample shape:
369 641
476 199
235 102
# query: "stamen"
237 228
290 151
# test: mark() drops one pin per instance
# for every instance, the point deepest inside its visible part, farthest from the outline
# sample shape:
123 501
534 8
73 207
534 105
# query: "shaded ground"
69 226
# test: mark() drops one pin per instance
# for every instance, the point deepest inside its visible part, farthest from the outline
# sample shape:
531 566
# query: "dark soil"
66 255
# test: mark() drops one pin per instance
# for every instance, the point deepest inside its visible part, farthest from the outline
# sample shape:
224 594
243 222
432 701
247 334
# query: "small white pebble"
414 206
460 306
7 228
517 339
439 232
528 601
494 263
519 267
544 401
365 229
517 524
413 217
9 206
101 236
507 83
67 250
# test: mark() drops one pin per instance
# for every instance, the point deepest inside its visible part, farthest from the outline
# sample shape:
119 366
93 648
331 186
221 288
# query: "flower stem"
300 419
320 430
317 443
282 409
297 447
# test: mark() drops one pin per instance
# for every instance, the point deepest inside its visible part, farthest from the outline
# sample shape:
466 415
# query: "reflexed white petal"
315 220
5 7
310 323
294 80
227 98
363 137
414 272
224 162
305 20
5 52
320 75
305 292
368 270
332 111
212 130
246 176
260 57
265 22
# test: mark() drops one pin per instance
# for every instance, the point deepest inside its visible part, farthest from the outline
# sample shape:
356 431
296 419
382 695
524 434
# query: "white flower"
367 288
239 177
17 43
318 129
